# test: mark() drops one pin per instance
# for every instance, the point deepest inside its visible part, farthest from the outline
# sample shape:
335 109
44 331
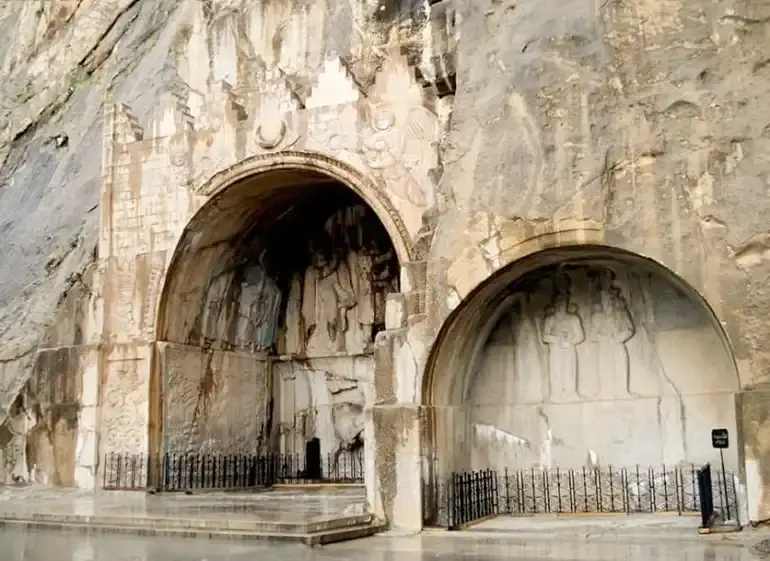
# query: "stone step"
322 537
199 524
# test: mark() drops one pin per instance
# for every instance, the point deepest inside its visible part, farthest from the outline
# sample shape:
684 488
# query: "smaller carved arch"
481 303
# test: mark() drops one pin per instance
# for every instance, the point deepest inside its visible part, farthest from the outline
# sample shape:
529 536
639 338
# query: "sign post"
720 439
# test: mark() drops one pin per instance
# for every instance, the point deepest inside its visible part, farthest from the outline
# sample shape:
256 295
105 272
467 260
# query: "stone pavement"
37 545
601 527
308 516
314 517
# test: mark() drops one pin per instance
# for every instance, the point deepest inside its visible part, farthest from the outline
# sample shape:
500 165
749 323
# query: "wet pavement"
17 544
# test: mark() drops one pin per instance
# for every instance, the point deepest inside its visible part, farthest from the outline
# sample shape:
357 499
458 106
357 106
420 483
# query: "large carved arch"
457 352
260 169
233 203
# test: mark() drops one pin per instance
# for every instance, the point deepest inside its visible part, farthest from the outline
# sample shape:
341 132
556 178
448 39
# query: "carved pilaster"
121 127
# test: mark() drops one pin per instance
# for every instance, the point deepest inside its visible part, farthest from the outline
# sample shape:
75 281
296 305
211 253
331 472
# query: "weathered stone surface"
217 401
591 346
352 197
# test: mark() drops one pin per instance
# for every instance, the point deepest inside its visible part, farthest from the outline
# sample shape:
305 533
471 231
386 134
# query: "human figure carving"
590 351
327 129
328 294
295 323
384 282
562 331
401 153
613 361
360 264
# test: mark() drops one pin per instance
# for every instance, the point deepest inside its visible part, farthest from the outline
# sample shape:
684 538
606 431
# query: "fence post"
598 489
496 493
706 495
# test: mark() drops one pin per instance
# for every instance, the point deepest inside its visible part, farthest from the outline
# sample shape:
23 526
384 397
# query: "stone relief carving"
178 149
400 148
332 114
125 408
562 332
219 401
241 311
339 300
276 100
333 128
327 297
581 348
330 299
589 336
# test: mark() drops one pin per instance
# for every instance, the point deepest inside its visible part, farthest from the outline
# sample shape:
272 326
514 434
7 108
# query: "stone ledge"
189 524
314 538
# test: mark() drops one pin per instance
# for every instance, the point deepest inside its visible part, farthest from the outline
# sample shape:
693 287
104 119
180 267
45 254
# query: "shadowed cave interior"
269 320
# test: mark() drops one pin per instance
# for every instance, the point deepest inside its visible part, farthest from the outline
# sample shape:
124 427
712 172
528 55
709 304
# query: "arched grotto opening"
267 321
579 357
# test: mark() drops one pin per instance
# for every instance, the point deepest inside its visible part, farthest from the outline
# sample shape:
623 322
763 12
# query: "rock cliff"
61 61
645 121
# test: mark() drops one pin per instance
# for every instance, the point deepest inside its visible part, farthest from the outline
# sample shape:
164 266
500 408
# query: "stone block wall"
214 401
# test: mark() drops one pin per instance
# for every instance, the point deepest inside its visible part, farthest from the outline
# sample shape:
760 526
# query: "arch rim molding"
310 161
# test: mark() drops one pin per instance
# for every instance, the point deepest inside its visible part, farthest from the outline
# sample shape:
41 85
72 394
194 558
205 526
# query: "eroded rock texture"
62 62
640 127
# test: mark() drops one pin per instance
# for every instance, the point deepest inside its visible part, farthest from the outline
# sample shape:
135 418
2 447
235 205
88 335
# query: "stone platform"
307 516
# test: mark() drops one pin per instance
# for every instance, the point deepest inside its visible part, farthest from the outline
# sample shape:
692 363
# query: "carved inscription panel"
125 402
215 402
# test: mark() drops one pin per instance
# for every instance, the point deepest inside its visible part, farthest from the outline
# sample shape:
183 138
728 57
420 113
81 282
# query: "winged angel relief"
400 149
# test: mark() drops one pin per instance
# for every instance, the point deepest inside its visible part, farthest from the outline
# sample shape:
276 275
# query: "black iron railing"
185 472
346 468
472 496
180 472
706 490
600 490
126 472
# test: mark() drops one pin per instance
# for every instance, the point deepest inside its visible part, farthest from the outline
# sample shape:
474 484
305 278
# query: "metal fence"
185 472
472 496
601 490
346 468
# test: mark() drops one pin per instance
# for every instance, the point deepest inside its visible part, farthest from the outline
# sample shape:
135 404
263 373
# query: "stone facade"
483 235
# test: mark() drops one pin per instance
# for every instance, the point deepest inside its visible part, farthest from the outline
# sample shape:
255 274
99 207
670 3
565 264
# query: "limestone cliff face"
62 60
643 121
